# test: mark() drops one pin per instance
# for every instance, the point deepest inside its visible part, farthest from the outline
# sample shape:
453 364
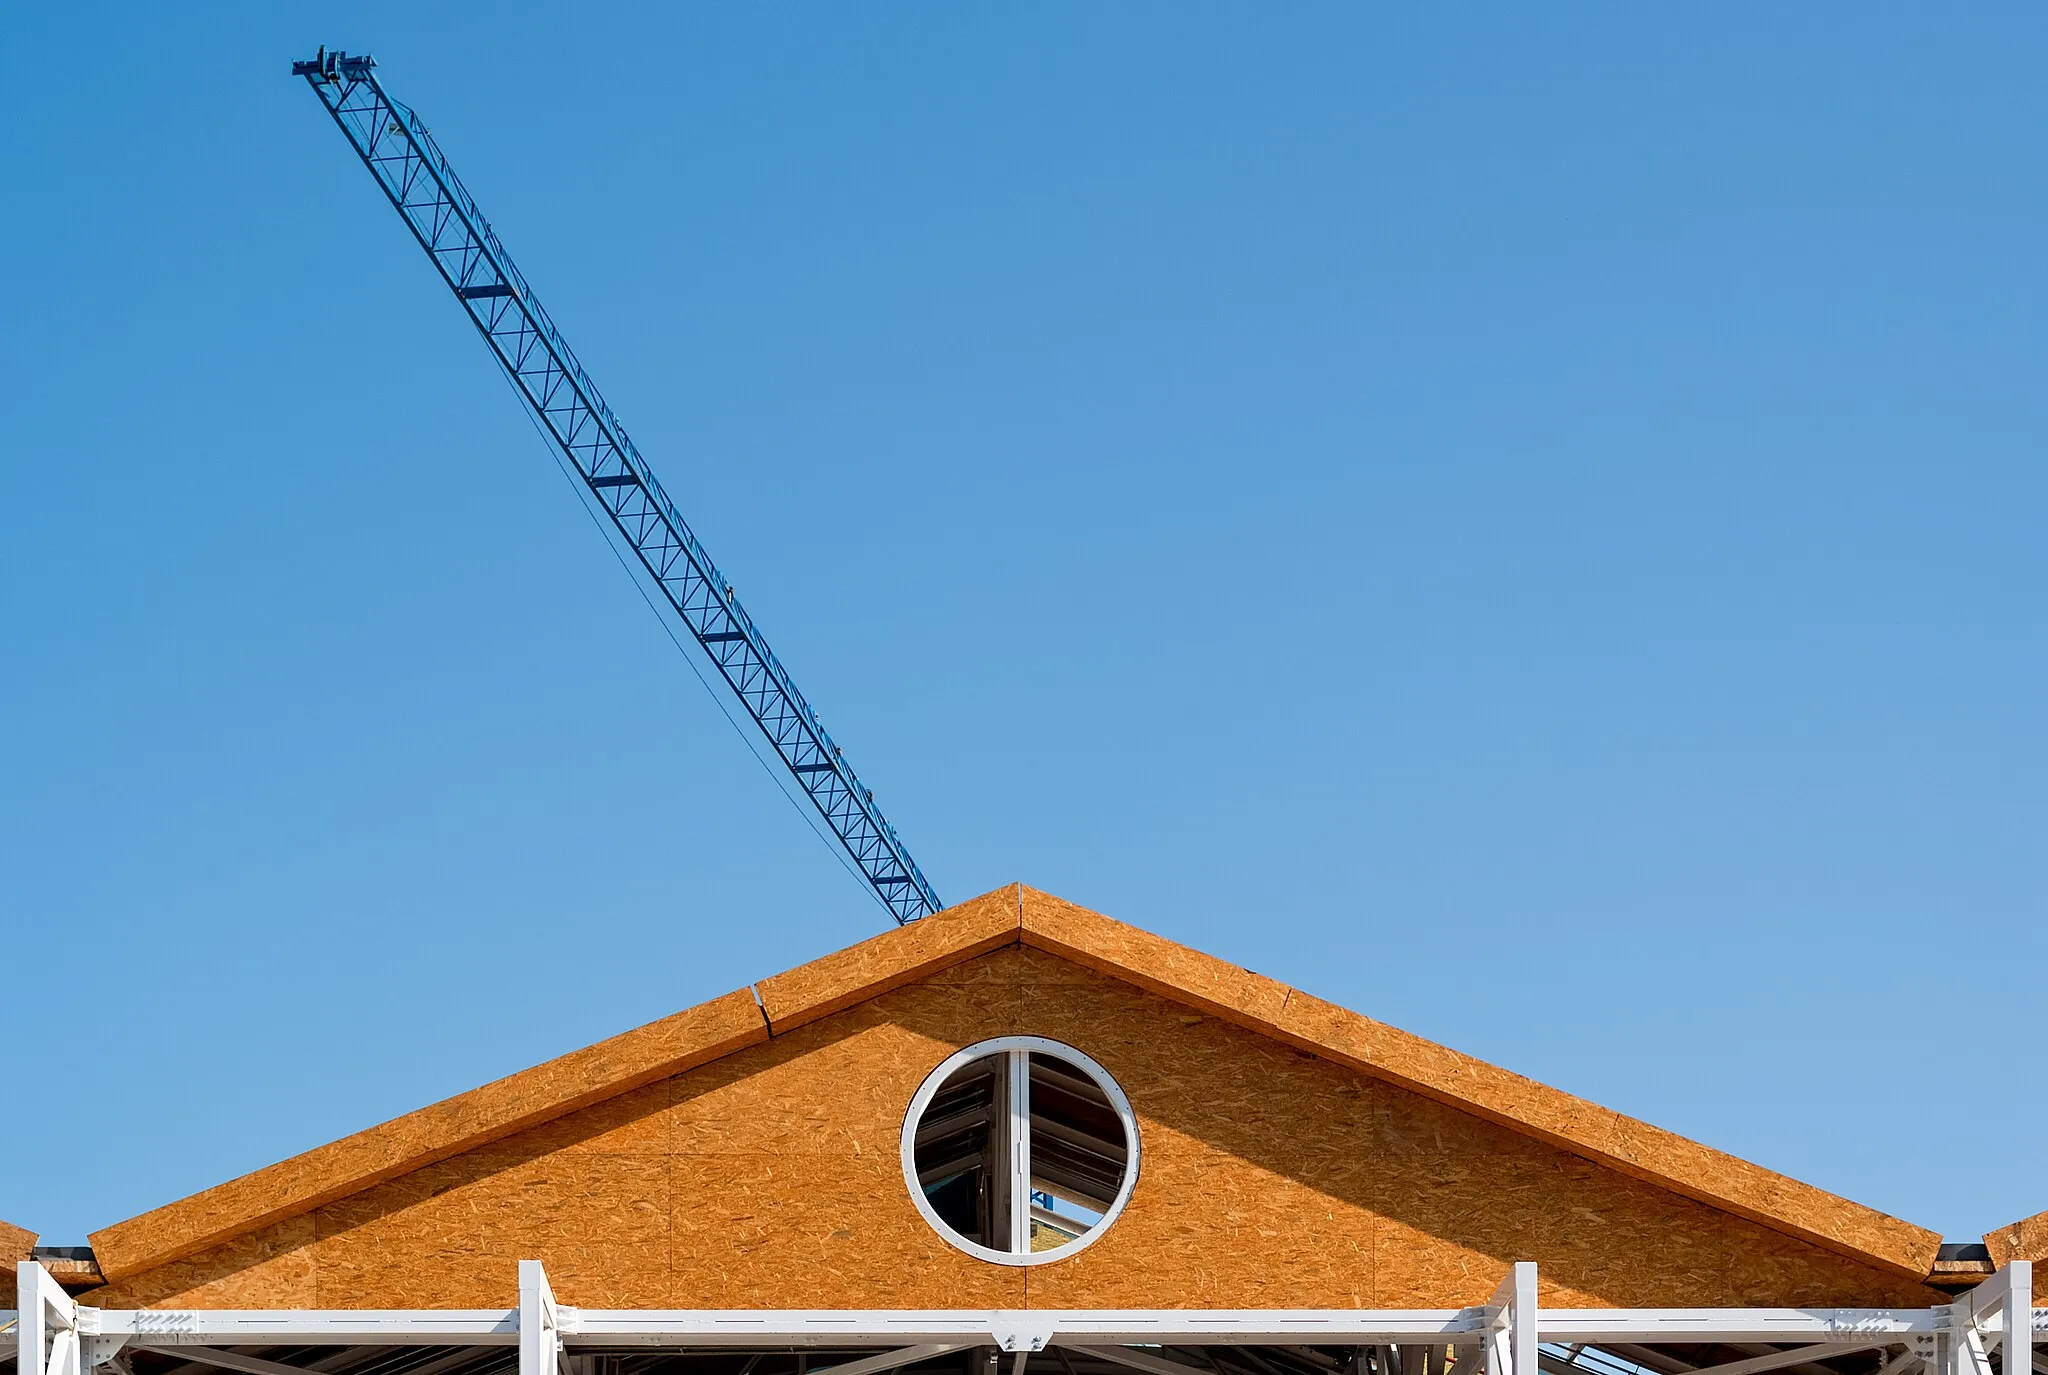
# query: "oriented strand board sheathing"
1273 1178
2026 1239
1609 1138
791 1151
768 1176
271 1267
496 1110
447 1236
890 960
15 1244
1549 1114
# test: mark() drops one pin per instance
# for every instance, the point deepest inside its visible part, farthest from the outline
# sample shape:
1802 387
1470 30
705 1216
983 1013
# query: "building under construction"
1021 1136
1007 1136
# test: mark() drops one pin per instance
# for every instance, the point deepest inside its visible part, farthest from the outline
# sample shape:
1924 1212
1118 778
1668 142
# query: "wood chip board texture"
2026 1239
769 1178
15 1245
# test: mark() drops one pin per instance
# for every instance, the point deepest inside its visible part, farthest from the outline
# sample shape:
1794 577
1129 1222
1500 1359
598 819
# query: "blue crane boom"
402 155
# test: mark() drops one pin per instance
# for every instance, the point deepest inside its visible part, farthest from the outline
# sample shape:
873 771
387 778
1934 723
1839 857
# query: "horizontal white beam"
1854 1327
1838 1328
307 1326
1064 1327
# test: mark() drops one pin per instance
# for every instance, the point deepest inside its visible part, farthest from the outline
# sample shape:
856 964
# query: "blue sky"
1522 523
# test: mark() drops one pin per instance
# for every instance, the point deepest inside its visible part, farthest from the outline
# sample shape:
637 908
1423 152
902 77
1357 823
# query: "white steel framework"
1509 1335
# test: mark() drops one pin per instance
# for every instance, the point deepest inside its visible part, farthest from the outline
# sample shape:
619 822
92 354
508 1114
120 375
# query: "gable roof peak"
1011 915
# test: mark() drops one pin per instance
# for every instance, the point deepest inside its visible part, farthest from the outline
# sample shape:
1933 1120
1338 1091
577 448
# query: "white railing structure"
54 1335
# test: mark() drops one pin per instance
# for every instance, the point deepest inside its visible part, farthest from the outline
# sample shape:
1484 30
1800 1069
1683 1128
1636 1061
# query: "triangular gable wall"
709 1164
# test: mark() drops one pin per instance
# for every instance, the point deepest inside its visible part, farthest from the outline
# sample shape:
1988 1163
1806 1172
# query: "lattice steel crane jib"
416 177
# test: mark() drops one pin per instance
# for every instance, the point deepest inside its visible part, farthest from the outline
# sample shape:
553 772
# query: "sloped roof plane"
1011 916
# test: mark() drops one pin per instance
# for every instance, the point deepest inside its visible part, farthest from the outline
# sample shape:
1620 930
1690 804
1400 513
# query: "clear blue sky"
1525 524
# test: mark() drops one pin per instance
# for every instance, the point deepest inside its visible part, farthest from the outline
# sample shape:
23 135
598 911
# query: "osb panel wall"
2026 1239
771 1179
15 1245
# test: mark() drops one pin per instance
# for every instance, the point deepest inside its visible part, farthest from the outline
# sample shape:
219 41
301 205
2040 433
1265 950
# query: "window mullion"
1020 1151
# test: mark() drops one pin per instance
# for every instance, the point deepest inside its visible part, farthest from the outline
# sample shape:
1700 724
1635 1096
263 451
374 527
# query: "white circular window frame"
1044 1046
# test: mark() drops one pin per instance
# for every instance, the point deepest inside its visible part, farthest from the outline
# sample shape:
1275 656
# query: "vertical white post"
540 1336
2019 1317
1966 1346
46 1328
31 1326
1511 1338
1020 1151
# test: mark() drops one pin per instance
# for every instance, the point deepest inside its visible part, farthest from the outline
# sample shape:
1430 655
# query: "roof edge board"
1631 1147
417 1139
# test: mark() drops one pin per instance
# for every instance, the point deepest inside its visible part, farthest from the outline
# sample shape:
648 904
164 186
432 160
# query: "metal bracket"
1034 1337
96 1351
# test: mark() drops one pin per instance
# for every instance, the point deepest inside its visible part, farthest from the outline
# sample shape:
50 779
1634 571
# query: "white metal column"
540 1324
1965 1345
1511 1338
47 1326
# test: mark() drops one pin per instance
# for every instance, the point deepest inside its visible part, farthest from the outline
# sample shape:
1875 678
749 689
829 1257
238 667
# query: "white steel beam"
163 1327
1011 1330
1651 1326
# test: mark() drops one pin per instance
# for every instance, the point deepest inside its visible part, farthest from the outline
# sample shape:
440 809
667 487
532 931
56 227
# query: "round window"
1020 1150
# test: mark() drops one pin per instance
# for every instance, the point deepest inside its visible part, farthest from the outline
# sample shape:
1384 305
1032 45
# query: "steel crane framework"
403 157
